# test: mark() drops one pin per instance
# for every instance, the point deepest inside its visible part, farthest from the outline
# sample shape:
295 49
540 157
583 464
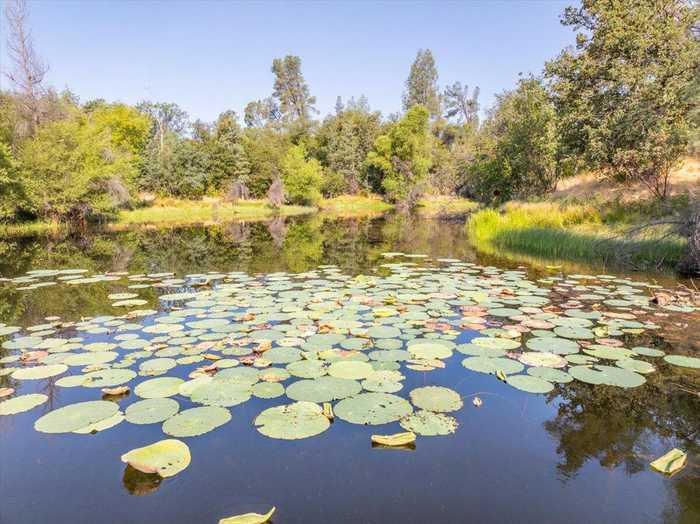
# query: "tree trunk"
690 263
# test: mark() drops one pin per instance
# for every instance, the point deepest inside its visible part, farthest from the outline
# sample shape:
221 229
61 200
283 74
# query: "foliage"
264 149
344 140
301 176
421 84
460 105
516 153
621 94
401 158
72 167
11 187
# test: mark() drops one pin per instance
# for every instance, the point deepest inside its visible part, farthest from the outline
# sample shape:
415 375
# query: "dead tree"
28 70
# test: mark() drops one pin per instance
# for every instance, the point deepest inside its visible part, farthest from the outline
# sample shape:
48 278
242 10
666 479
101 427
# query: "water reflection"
139 483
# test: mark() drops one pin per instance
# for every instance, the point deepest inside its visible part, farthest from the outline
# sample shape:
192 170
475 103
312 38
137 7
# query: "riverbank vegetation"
622 104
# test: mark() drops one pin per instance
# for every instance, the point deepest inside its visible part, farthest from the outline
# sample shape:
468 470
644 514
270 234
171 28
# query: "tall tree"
167 118
621 93
421 84
28 70
401 158
261 113
291 90
517 146
460 105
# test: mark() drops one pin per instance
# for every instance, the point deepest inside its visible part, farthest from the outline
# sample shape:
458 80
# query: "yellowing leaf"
671 462
248 518
397 439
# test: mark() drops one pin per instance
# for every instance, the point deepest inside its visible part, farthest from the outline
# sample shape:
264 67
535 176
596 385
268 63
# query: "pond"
582 381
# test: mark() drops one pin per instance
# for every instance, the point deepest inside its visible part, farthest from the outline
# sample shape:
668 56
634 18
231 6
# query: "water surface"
577 454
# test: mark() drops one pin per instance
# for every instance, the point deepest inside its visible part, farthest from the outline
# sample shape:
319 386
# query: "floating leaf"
75 416
151 410
676 360
436 398
196 421
249 518
292 421
39 372
323 389
350 370
670 462
428 423
166 458
373 408
397 439
22 403
530 384
159 387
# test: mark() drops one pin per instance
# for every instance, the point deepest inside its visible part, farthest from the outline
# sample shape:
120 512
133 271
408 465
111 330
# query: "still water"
577 454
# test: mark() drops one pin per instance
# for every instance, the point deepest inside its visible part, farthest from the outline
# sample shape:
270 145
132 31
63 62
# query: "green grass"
572 233
352 205
197 212
26 229
436 206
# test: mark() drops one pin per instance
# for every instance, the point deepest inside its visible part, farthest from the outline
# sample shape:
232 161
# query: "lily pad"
373 408
22 403
436 398
323 389
530 384
166 458
249 518
39 372
75 416
196 421
429 424
292 421
676 360
151 410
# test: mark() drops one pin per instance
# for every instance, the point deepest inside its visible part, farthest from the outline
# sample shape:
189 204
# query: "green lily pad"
307 368
159 387
676 360
268 390
559 346
530 384
76 416
436 398
224 393
166 458
373 408
22 403
151 410
491 365
429 350
550 374
429 424
196 421
350 370
39 372
292 421
323 389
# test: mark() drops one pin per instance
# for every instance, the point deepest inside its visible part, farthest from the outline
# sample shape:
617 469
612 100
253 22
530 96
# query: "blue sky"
209 56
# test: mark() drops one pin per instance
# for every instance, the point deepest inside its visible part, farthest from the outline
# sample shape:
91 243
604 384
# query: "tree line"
622 102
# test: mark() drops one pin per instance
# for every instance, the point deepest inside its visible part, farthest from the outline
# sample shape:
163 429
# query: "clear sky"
209 56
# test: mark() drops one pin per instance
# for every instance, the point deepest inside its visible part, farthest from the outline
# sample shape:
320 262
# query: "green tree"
301 177
621 93
421 84
73 169
401 158
11 187
264 149
262 113
460 105
517 147
343 141
291 91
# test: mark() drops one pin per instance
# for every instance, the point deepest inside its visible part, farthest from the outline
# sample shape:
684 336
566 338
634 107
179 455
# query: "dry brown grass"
683 180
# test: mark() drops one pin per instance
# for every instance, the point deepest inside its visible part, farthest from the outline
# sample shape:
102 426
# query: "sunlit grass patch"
445 206
574 232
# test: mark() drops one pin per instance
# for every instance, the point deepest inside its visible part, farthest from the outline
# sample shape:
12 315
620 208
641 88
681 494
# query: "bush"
302 178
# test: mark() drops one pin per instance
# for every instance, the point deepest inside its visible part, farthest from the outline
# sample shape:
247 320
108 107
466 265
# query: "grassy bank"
576 232
196 212
353 205
445 206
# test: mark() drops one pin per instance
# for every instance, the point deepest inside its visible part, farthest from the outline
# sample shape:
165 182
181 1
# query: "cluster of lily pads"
326 344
